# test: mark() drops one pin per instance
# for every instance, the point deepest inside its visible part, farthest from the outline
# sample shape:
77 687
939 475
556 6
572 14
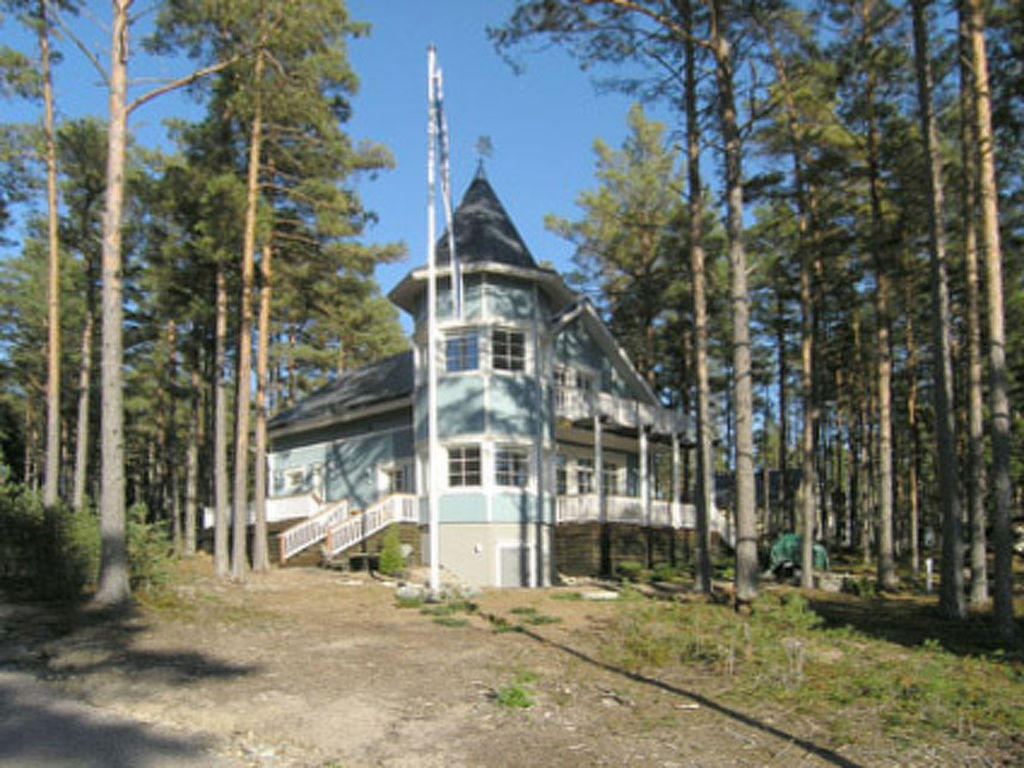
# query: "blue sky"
542 123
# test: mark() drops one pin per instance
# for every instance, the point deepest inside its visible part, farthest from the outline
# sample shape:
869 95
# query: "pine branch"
80 44
182 81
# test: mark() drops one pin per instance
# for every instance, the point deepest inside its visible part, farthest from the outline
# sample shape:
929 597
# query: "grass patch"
567 596
408 601
449 608
517 694
786 657
451 621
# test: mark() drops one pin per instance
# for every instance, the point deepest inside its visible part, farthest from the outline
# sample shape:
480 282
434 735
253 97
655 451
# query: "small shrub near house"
392 562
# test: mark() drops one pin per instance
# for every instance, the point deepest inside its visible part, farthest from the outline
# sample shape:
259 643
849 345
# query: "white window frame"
508 357
516 474
584 467
387 472
295 479
462 337
463 474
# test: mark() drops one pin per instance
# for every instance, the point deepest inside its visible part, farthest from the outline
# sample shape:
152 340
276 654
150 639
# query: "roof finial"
484 150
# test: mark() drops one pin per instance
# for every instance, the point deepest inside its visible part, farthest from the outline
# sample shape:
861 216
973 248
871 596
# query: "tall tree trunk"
913 500
192 461
951 597
808 479
260 557
51 487
999 403
705 502
783 362
975 407
239 557
113 587
170 458
746 513
84 392
886 562
220 431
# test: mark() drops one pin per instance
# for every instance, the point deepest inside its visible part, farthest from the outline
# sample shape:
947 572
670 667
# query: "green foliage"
782 653
392 562
666 572
450 608
517 694
630 570
409 601
515 697
52 553
150 551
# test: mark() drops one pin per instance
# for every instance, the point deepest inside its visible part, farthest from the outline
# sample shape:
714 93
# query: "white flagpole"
446 199
433 447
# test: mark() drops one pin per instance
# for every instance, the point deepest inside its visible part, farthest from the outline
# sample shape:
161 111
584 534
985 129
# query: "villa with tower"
558 458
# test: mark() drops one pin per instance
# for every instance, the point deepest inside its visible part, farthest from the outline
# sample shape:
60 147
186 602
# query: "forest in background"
821 261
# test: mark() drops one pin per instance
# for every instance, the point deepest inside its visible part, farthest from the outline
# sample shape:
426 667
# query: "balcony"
628 509
579 404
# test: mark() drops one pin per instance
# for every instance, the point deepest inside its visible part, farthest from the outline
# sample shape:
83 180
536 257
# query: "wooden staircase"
337 529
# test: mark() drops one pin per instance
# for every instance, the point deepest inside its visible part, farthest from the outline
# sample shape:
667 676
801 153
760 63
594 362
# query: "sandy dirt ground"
306 667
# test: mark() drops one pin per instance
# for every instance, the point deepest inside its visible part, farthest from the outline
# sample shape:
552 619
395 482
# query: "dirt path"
312 668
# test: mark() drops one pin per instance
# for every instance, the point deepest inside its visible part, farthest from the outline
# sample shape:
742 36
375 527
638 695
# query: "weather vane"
484 150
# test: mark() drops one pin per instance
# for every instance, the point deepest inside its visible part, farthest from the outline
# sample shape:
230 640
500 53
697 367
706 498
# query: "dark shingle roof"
484 231
387 379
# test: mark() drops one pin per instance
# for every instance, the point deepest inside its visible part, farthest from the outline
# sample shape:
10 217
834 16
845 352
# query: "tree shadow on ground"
911 620
828 755
38 728
57 641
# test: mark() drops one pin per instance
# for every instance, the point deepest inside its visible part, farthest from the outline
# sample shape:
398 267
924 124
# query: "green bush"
392 562
630 569
51 553
150 551
665 572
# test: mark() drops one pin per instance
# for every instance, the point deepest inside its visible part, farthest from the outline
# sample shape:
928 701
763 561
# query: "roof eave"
404 294
332 419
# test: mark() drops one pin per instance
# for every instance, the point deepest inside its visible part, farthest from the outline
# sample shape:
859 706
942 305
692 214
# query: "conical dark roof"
484 231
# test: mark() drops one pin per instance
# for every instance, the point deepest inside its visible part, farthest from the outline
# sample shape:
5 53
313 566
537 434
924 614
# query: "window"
511 466
508 350
294 479
398 478
584 476
463 465
610 479
460 352
561 476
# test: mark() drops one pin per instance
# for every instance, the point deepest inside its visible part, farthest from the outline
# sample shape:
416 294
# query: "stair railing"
399 507
311 530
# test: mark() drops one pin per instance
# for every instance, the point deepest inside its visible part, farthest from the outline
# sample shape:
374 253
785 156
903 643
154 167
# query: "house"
558 456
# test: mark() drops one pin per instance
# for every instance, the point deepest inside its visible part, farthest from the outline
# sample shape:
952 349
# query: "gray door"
515 565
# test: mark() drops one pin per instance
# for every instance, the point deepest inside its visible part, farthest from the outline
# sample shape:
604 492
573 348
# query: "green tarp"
786 550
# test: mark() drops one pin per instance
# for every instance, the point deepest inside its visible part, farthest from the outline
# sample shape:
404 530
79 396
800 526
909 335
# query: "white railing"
399 507
576 403
308 532
290 507
628 509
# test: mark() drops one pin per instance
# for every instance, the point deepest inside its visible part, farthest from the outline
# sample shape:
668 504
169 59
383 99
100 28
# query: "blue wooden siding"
514 406
463 508
352 464
460 405
509 298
